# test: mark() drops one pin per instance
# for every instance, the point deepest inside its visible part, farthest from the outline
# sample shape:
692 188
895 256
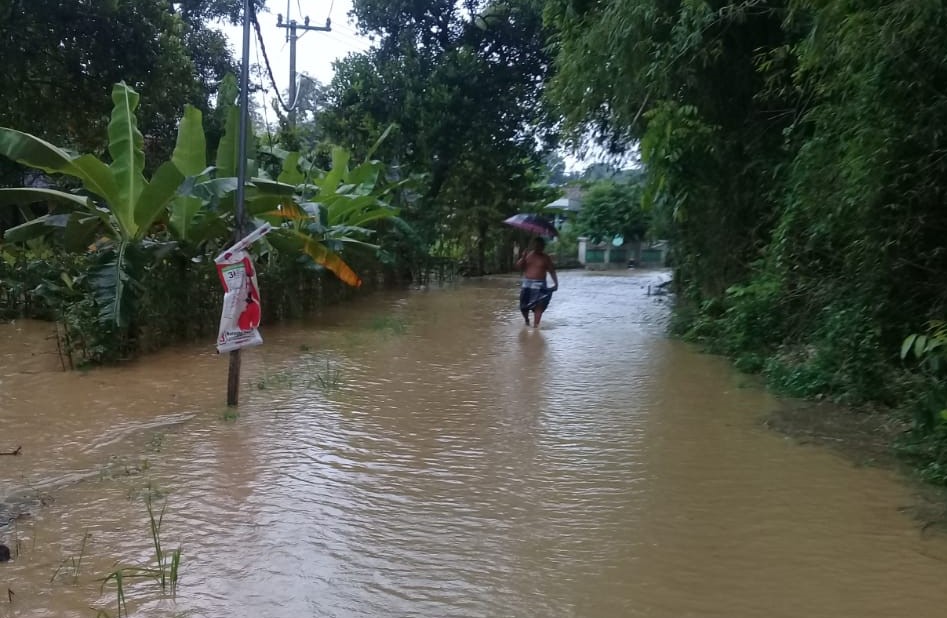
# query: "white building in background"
566 207
614 254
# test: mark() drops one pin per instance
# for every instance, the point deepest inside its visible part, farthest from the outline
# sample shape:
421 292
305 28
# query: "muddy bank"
865 437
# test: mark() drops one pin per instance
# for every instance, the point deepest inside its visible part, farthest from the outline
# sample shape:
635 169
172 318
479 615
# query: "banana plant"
329 209
113 216
206 201
195 214
115 209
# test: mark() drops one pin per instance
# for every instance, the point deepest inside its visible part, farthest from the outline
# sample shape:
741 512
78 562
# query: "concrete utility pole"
291 27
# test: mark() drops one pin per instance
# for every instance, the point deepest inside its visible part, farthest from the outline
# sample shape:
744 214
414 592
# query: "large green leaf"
341 211
348 242
115 278
190 157
227 148
290 174
362 217
340 168
190 151
97 178
77 230
272 187
229 91
34 152
265 205
206 226
265 195
155 197
184 210
365 176
32 196
214 189
112 285
126 147
39 226
378 142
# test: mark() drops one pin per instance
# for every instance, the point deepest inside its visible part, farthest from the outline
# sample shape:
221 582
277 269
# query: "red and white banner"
241 313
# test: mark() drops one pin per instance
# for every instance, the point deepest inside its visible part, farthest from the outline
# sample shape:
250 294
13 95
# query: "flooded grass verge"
865 437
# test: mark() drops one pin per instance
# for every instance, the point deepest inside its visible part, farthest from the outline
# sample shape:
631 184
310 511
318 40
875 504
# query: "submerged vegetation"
164 570
308 373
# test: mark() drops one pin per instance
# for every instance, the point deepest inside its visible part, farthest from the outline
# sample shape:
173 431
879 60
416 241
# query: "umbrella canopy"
534 224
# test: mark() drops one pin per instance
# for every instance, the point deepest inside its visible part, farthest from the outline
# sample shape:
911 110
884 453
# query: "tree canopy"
463 86
611 209
68 55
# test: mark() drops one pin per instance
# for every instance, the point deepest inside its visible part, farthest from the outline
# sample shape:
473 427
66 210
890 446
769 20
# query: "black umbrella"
534 224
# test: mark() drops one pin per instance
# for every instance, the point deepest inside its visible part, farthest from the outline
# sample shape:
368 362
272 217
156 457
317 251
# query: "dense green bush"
181 302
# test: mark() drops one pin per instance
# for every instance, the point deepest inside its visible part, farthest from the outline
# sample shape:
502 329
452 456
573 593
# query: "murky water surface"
423 454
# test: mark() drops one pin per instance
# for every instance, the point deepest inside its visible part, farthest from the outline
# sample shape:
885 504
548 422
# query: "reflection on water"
425 454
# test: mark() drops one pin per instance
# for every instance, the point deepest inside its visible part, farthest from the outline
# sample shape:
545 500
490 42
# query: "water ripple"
423 454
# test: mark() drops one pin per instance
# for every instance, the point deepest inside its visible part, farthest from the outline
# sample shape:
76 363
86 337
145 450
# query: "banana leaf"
126 147
34 152
190 149
24 196
290 174
290 241
40 226
156 196
113 286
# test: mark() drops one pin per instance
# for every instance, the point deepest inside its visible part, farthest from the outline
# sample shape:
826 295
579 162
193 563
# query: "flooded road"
423 454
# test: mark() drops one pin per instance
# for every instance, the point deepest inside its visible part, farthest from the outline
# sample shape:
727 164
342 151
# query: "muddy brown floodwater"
423 454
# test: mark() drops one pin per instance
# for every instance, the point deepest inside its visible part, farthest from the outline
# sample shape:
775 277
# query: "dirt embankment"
866 437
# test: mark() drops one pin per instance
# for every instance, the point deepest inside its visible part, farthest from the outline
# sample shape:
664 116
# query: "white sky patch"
591 153
315 51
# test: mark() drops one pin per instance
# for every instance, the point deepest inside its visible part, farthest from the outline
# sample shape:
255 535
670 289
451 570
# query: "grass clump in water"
310 373
389 324
274 380
165 571
75 562
326 379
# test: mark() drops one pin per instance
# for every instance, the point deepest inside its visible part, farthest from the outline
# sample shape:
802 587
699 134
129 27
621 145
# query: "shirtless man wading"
534 295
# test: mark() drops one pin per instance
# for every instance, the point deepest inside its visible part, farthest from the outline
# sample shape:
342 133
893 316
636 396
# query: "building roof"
565 203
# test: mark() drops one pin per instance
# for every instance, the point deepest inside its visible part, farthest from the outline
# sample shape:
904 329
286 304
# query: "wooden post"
233 379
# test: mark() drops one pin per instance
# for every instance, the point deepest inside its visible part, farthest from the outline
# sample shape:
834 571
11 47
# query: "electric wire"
269 68
265 90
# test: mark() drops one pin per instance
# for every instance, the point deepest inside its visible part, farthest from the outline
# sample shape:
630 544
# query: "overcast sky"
315 51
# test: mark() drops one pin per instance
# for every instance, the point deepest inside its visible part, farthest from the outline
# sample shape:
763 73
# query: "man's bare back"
536 266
